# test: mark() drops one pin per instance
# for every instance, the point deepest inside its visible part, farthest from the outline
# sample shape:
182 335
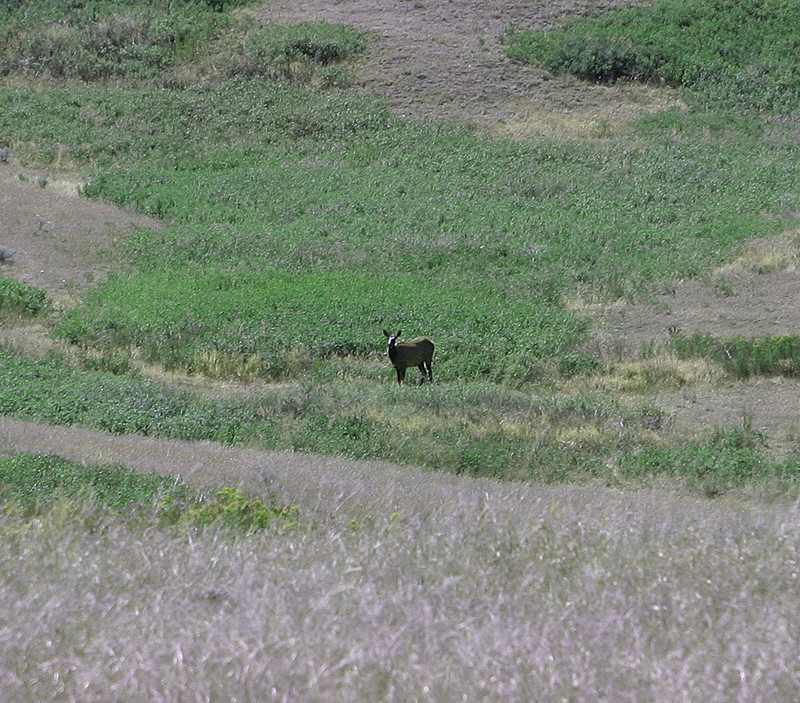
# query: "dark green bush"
737 51
293 52
573 364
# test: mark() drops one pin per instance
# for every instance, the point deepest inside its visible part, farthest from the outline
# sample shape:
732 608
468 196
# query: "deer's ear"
399 332
386 333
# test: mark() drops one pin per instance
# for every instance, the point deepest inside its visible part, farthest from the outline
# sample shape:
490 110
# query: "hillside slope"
436 59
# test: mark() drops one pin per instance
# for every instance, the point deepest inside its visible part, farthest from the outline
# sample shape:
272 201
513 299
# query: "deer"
417 352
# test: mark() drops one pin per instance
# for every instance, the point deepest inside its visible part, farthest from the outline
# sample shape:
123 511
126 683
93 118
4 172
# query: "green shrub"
573 364
222 5
738 52
277 48
232 509
21 299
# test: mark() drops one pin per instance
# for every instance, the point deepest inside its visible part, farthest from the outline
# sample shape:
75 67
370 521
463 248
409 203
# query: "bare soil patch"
445 59
62 242
757 295
754 296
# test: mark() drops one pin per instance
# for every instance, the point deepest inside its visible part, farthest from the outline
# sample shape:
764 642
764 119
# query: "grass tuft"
769 356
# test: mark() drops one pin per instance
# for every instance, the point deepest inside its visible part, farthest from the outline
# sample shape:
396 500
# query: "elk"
418 352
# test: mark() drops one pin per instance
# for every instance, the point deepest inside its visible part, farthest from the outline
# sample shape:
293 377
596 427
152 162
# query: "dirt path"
439 59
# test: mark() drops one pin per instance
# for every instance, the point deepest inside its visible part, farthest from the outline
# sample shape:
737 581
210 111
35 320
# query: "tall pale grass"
399 585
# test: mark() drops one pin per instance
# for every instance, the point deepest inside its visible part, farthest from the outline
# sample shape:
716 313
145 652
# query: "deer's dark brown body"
416 352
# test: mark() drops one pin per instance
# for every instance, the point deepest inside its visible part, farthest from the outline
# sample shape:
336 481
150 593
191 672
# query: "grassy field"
300 219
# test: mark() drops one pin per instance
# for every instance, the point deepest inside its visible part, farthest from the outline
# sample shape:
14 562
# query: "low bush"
21 299
769 356
230 508
294 52
731 51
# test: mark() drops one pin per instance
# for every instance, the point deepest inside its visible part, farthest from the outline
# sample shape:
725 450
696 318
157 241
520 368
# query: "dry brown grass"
766 256
602 112
642 377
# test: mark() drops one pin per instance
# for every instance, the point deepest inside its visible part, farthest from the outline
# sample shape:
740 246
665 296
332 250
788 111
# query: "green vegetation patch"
164 41
103 39
769 356
479 429
41 482
274 191
729 459
203 129
738 51
34 480
21 299
112 403
179 317
434 226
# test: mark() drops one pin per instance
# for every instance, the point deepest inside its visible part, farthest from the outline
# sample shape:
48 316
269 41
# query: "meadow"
302 218
537 536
